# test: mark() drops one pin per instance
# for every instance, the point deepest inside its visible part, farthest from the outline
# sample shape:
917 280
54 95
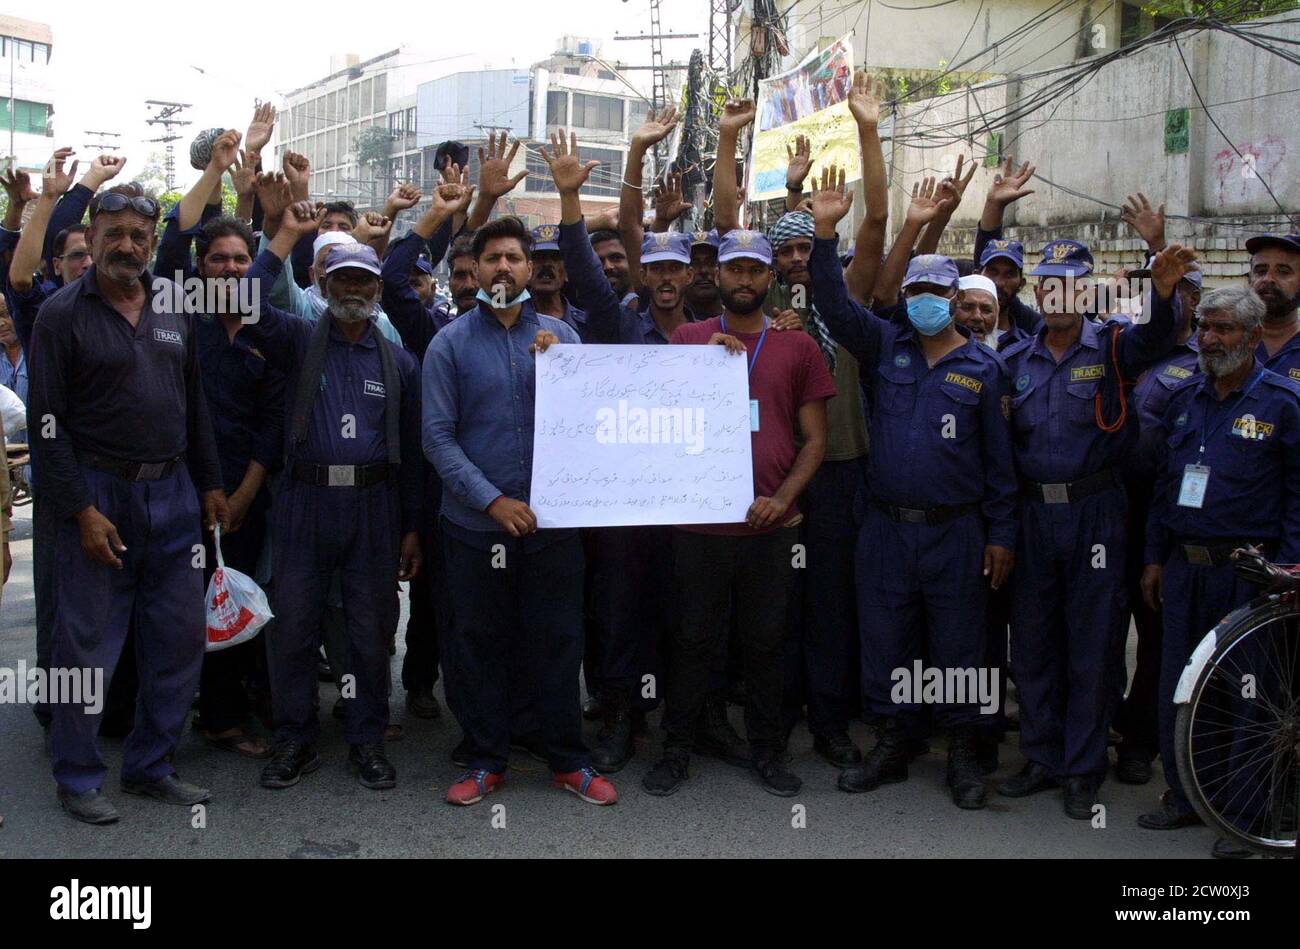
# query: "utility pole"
102 143
166 117
659 75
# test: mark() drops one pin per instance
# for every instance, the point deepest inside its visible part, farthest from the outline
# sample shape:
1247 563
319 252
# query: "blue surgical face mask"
485 297
929 313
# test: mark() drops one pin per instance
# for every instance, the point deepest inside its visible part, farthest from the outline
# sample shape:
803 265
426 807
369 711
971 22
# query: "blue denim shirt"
478 380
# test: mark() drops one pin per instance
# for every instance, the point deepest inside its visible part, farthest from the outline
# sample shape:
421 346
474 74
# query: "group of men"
943 474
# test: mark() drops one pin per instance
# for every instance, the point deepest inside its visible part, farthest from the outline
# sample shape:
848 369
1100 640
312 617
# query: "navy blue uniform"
1286 361
1069 604
940 444
318 529
108 395
1137 718
1252 447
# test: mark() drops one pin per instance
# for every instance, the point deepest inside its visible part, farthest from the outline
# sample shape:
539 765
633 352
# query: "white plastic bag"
237 607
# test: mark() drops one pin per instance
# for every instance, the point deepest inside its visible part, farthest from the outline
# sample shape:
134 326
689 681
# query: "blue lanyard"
757 349
1208 431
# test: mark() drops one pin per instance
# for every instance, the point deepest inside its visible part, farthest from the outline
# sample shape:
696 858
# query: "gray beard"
1227 364
349 312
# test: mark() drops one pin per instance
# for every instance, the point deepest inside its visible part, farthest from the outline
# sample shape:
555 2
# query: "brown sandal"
241 743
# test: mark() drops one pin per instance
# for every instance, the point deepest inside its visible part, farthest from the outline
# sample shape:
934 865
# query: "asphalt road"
719 812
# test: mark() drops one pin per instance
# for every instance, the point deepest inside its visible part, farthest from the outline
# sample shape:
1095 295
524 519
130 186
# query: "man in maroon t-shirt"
788 387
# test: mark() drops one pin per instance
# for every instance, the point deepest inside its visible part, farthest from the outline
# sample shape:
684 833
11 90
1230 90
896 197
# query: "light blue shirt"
479 384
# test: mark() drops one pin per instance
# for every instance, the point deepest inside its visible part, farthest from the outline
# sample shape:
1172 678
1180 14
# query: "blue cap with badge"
1013 251
666 245
546 237
1289 242
422 264
737 244
361 256
705 239
1064 258
931 268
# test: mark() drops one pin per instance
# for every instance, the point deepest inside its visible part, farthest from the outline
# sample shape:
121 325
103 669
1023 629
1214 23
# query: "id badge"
753 415
1192 492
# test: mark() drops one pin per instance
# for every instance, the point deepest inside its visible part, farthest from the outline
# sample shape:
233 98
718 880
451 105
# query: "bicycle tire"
1229 633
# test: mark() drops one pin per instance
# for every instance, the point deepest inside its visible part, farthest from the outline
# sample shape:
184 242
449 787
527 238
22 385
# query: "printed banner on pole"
811 100
627 435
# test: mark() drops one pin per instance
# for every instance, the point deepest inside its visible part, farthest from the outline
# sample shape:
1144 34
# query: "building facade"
27 109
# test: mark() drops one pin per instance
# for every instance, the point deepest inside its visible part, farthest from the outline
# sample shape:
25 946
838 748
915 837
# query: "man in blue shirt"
930 546
513 587
1072 431
1228 476
1275 276
350 501
1136 717
124 449
246 399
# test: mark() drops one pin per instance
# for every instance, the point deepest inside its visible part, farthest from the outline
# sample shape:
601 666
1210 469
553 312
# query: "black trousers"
223 697
634 605
708 568
1137 718
516 614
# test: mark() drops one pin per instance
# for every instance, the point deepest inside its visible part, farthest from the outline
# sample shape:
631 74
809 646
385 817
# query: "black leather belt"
1067 492
131 470
1216 551
931 516
347 476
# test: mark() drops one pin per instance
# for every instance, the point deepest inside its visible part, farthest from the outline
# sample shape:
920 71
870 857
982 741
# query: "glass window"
354 101
381 92
597 112
367 90
557 108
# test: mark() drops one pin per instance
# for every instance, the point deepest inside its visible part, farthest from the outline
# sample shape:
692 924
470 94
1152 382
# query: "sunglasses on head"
114 202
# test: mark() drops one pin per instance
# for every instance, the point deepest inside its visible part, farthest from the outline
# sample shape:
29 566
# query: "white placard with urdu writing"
627 435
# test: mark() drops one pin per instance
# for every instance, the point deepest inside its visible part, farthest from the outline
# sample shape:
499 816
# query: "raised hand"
372 226
925 203
831 200
1169 266
18 186
865 98
670 204
243 174
1147 221
275 195
494 168
736 114
569 171
298 218
297 171
103 169
225 149
55 181
404 196
656 128
259 130
799 163
1009 185
454 198
952 189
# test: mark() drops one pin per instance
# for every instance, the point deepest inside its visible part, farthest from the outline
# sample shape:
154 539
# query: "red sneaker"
587 784
472 786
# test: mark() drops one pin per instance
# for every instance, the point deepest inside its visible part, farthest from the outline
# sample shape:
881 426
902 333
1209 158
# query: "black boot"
615 747
968 791
715 737
886 763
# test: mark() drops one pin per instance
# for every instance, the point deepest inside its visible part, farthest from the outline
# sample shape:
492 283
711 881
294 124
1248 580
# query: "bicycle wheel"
1237 736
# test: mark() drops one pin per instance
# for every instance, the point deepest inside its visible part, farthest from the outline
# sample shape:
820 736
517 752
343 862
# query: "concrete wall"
1107 140
922 39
